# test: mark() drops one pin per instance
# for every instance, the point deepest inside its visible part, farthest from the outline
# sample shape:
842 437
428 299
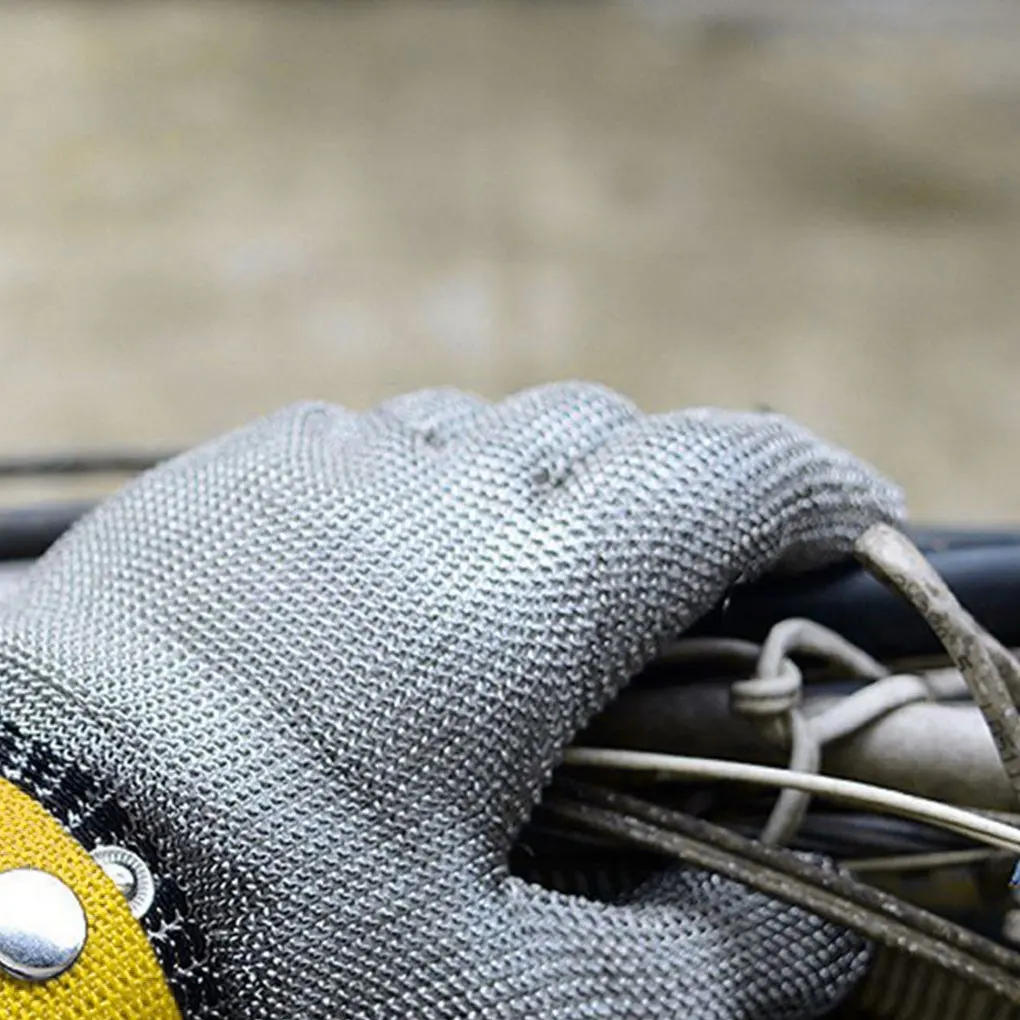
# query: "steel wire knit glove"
316 673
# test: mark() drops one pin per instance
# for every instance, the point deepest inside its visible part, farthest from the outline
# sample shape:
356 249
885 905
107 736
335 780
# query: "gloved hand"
319 670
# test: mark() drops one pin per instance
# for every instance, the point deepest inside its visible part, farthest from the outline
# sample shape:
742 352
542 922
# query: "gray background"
207 210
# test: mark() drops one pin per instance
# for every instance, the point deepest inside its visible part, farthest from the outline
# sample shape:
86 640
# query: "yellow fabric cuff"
117 974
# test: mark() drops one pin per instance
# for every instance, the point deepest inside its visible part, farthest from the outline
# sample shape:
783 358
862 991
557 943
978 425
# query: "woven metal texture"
329 661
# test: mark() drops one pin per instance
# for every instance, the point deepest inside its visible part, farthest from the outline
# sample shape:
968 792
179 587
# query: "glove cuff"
70 946
91 818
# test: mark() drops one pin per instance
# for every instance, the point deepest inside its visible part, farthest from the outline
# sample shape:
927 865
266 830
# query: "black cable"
26 532
982 567
856 834
917 950
89 462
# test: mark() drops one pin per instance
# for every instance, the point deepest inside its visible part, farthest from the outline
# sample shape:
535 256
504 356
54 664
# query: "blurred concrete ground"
209 210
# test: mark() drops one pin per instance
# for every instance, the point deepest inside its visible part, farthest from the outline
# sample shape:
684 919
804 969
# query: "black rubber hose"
982 569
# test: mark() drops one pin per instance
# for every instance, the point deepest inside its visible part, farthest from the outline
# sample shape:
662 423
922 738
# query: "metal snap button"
130 875
42 925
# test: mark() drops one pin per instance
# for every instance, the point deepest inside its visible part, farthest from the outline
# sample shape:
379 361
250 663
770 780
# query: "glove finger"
533 439
689 943
438 415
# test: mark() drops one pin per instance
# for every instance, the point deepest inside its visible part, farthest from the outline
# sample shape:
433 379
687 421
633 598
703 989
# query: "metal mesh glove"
327 663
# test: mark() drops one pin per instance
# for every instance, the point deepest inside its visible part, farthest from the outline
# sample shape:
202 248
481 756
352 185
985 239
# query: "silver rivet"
42 925
123 878
129 874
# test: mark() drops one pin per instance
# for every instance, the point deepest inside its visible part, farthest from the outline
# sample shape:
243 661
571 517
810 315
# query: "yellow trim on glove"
117 974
